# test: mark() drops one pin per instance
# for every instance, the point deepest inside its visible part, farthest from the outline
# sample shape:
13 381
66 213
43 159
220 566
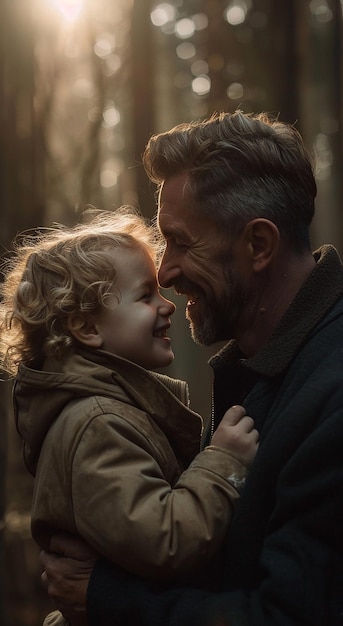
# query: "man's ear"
85 330
262 237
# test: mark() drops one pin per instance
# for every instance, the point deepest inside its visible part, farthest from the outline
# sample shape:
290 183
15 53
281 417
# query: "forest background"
84 83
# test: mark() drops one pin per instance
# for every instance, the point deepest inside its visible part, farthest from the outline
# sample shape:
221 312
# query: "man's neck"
274 293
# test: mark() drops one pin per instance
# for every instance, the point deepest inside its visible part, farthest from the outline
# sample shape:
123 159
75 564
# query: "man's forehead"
173 210
174 189
169 219
174 223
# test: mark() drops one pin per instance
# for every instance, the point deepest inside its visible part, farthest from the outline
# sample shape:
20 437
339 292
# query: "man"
236 199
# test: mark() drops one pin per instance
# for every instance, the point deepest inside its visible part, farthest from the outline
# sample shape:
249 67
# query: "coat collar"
41 394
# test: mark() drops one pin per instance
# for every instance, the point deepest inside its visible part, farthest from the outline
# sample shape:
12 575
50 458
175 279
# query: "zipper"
212 413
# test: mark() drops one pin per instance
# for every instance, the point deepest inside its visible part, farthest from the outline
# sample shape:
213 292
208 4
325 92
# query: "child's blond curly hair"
55 273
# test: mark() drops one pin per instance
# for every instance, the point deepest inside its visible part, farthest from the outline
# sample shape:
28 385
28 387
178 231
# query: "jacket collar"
41 394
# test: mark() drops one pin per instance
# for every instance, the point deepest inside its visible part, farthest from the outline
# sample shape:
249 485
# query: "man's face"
198 261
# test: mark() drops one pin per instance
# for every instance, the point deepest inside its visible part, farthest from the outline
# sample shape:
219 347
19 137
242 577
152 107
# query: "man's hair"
240 167
58 272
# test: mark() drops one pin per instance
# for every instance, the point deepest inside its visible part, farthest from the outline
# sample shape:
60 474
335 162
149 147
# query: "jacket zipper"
212 413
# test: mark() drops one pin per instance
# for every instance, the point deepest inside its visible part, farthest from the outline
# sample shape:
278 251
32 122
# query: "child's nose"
166 307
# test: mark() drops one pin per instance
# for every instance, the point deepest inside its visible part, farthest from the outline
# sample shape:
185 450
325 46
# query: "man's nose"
168 273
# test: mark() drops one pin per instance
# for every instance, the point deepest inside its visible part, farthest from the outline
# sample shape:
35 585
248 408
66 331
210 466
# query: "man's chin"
206 330
201 335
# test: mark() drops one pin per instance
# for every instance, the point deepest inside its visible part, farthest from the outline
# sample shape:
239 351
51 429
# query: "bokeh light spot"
184 28
185 50
104 46
216 62
201 85
235 14
199 68
321 11
108 178
162 14
200 21
235 91
111 117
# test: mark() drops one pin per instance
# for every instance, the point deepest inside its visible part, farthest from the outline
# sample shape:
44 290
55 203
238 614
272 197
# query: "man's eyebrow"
174 231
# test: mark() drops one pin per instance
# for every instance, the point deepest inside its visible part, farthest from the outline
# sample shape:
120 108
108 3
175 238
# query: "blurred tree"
142 83
320 110
21 185
22 171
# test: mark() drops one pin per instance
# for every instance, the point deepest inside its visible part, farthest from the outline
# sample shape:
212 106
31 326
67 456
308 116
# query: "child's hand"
237 434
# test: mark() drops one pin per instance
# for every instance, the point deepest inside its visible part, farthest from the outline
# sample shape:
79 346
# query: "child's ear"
85 330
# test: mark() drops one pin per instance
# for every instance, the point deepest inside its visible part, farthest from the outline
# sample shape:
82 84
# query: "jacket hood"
40 395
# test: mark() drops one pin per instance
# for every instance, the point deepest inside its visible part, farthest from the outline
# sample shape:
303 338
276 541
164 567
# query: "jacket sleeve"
300 563
124 506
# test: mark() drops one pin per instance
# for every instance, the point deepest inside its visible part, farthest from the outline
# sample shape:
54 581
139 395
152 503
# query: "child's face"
135 328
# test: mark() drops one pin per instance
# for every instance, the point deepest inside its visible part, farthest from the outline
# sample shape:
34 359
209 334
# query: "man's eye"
180 244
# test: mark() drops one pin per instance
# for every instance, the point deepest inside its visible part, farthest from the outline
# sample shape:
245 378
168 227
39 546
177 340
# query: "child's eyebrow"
146 284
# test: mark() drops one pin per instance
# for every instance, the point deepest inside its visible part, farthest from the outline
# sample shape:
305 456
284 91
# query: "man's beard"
216 320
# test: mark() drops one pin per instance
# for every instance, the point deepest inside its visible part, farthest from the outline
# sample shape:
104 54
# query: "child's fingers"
234 414
246 424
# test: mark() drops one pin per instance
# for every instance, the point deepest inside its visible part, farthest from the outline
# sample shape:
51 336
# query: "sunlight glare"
70 9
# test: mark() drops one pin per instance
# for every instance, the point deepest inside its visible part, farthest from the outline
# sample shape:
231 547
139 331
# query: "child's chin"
166 361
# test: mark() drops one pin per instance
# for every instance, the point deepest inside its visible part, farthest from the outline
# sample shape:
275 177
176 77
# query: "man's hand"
67 569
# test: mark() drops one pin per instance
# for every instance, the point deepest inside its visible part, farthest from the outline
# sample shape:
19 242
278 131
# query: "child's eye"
145 296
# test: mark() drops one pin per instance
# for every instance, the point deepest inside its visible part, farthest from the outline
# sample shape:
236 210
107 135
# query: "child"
114 448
